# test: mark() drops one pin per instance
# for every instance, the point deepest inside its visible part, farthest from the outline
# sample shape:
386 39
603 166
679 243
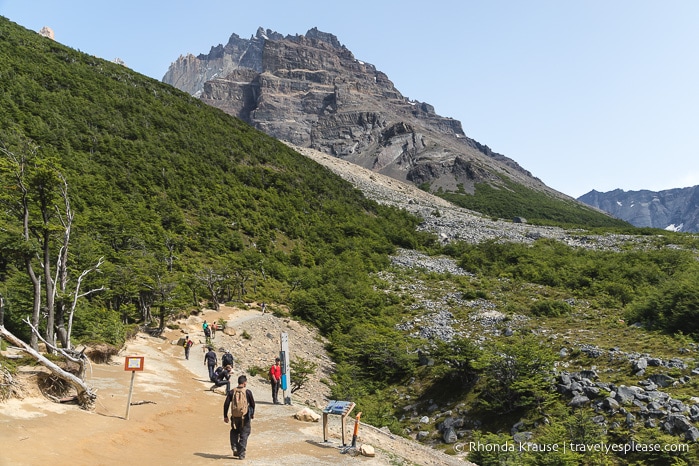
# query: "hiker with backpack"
227 358
207 332
242 409
187 346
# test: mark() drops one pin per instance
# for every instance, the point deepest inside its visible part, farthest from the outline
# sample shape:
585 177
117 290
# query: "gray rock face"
310 90
449 435
673 209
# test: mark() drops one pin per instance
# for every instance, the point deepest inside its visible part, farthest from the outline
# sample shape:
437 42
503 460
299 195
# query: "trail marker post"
286 368
133 364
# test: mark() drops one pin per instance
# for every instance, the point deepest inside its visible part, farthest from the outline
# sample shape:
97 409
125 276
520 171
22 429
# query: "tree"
41 186
214 281
518 374
301 370
86 397
30 179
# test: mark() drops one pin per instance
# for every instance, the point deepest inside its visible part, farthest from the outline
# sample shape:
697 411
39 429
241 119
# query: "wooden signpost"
133 364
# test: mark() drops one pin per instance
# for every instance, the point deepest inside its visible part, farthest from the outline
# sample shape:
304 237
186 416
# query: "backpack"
239 402
227 359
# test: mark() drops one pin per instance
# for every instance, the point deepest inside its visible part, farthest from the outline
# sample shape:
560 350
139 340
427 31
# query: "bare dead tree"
85 395
77 295
214 283
145 301
170 259
60 282
242 275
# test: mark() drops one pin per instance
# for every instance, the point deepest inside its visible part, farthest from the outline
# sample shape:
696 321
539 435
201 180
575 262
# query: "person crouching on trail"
222 377
242 411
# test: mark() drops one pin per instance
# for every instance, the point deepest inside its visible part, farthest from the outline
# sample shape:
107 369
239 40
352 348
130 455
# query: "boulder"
625 395
661 380
578 401
640 364
307 415
692 435
610 404
367 450
449 435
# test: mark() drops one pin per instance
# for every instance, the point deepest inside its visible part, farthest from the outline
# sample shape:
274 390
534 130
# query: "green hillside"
511 200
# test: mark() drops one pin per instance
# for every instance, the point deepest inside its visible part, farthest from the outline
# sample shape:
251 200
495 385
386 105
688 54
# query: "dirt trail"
180 420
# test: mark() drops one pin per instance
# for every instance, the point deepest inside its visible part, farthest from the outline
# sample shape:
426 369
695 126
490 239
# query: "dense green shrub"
517 374
550 308
672 307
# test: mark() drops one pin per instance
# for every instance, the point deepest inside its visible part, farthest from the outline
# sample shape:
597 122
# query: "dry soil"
174 419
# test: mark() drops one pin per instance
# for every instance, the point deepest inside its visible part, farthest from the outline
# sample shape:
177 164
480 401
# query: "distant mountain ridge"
672 209
311 91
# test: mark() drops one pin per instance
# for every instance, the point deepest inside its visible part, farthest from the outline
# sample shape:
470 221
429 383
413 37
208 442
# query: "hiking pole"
356 429
353 447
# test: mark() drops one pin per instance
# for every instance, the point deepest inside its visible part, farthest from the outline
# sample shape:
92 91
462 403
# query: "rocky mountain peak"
315 34
311 91
47 32
672 209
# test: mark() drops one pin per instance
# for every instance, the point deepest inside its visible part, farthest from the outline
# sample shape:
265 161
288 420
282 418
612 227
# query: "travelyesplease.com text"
613 448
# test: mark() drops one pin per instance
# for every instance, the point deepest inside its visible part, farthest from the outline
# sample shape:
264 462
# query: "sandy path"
181 423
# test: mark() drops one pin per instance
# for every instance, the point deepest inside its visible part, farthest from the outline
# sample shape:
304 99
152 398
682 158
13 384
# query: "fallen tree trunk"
86 397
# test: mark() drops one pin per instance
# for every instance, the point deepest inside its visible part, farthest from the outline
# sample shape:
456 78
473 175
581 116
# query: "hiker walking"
275 378
187 346
210 360
207 332
227 358
213 330
242 410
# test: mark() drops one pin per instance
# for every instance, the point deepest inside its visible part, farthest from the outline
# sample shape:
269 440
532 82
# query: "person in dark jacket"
240 426
227 358
222 378
210 360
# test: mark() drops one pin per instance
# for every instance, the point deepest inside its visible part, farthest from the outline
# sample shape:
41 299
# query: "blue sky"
594 94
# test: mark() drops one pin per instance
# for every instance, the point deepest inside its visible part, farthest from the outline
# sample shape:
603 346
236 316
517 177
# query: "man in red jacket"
275 378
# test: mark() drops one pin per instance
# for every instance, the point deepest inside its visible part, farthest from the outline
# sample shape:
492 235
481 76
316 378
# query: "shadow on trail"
322 444
213 456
